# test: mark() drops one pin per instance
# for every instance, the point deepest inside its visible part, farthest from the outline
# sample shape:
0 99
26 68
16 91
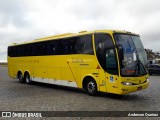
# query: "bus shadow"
127 97
59 87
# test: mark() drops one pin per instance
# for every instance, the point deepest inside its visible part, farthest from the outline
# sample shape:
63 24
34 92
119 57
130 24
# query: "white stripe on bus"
56 82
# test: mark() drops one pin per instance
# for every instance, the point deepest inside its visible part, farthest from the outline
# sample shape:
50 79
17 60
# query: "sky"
25 20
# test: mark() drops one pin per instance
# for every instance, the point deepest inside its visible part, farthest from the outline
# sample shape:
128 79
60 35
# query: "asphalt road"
42 97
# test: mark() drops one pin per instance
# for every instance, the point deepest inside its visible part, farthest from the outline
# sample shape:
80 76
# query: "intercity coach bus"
97 61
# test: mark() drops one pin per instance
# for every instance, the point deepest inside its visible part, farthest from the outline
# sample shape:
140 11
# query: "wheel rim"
91 87
20 77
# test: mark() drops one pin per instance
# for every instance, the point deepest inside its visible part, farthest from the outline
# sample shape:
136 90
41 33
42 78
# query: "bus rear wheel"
28 79
20 78
91 87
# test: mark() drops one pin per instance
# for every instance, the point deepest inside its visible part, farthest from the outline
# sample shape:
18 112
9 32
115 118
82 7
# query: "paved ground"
41 97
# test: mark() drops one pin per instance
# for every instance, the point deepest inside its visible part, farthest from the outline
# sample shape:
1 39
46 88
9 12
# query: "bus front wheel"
91 87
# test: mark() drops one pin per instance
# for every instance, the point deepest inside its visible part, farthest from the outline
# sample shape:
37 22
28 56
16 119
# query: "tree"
152 55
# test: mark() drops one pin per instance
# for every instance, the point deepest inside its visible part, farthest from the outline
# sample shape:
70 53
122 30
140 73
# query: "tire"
20 78
28 79
91 87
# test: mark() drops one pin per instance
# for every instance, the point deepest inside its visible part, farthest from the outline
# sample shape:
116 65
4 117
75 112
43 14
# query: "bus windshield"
135 58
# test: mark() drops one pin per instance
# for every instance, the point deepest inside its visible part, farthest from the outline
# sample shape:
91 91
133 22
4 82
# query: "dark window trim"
12 50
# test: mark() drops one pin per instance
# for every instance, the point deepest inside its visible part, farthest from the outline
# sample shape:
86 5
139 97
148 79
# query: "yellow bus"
109 61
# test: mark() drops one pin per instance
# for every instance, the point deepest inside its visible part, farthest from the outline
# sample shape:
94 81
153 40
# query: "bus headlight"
127 83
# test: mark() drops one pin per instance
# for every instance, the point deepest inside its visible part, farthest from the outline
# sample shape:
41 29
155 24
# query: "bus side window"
14 51
72 45
52 48
21 50
65 46
38 49
60 47
24 51
105 55
111 64
41 48
85 45
30 50
11 51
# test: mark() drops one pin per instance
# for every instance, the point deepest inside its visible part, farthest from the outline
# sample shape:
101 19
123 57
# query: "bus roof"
67 35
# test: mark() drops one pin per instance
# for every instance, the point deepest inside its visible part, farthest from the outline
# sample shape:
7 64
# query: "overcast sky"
24 20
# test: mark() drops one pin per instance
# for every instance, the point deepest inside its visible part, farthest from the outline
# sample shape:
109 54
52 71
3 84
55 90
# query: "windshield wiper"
139 66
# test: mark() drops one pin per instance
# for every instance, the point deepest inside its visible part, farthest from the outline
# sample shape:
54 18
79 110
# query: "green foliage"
152 55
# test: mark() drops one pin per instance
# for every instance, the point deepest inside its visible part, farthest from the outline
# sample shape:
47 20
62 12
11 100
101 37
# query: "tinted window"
10 51
85 45
59 47
105 55
28 50
74 45
21 50
52 47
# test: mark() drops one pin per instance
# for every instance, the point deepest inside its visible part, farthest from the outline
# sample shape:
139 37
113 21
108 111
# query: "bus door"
111 73
106 56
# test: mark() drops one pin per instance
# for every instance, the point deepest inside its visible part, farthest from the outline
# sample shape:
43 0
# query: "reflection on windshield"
128 49
134 54
140 49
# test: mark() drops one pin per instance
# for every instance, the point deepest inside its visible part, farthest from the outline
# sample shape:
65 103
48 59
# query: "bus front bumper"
132 88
